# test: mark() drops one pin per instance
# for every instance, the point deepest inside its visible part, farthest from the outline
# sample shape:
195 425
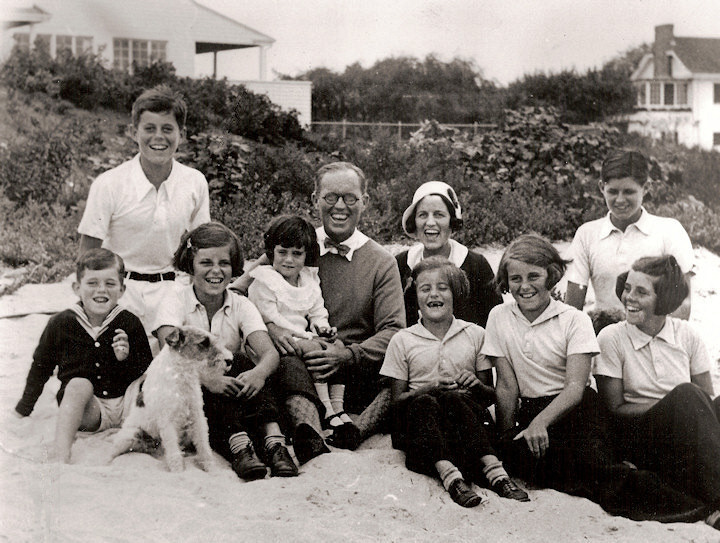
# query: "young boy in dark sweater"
100 350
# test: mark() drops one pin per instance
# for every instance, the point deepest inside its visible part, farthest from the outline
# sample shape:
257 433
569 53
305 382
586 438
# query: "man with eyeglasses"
361 286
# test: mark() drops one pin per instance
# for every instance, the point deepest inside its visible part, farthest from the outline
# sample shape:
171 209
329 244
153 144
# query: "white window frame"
644 90
151 48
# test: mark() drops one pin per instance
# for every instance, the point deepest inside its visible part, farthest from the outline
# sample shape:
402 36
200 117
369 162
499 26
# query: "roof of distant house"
699 55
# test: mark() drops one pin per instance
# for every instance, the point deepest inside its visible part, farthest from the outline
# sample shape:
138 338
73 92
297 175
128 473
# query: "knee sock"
370 420
238 442
324 392
713 520
493 470
301 410
270 441
448 472
337 398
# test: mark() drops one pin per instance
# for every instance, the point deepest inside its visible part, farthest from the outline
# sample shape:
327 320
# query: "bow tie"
337 248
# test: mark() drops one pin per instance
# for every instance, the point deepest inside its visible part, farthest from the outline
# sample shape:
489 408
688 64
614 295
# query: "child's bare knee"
78 387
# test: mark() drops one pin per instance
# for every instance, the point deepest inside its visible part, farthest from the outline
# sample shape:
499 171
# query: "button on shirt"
538 350
233 323
650 367
141 223
415 355
600 252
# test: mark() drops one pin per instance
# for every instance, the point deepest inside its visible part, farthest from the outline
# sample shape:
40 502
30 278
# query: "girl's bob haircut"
624 163
536 251
206 236
669 281
292 231
456 278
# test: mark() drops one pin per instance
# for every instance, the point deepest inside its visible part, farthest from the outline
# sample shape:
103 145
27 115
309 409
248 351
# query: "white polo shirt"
600 252
650 367
415 355
233 323
140 223
538 350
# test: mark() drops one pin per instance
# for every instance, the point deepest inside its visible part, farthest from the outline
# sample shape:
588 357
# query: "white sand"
366 495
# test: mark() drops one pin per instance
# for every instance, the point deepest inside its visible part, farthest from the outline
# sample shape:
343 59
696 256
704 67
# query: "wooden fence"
400 126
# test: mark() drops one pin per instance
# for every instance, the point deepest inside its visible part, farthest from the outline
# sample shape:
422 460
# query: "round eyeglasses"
349 198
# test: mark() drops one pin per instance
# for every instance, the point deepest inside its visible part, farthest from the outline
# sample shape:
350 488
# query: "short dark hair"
456 278
455 223
536 251
625 163
292 231
671 288
160 99
337 167
205 236
99 259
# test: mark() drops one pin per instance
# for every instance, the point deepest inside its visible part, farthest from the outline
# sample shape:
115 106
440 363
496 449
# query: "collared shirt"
140 223
600 252
538 350
458 252
415 355
233 322
354 242
650 367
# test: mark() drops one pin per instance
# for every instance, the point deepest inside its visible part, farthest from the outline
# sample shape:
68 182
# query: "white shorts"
113 411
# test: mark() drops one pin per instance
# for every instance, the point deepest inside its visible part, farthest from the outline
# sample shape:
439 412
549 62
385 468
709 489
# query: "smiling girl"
542 351
604 248
237 404
441 384
653 374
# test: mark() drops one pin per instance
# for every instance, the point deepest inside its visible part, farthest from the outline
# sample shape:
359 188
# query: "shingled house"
139 32
678 90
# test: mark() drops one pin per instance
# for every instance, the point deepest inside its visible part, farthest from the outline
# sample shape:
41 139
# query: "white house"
127 32
678 90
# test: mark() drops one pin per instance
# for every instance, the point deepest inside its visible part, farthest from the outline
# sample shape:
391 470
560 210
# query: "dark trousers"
228 415
679 438
442 425
580 461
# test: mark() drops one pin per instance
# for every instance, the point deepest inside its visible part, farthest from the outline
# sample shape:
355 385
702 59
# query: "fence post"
399 131
344 129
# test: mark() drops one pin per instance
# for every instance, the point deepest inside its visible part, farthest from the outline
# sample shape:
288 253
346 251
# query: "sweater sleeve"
484 295
44 361
388 316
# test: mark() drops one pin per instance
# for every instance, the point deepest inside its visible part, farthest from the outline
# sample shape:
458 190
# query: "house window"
654 93
716 89
716 139
641 94
42 43
22 41
83 44
140 55
158 51
63 43
121 54
682 94
669 92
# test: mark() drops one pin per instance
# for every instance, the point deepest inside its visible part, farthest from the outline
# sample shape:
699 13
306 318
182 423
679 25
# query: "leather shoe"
281 464
307 443
507 488
346 436
247 465
462 494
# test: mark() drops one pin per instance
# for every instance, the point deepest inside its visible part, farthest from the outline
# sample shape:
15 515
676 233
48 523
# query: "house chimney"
664 41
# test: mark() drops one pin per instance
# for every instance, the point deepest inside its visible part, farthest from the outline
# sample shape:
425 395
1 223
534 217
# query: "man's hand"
324 363
536 437
467 379
250 382
283 339
223 384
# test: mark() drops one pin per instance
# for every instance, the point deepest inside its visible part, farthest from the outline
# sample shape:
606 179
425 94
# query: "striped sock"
238 442
448 472
270 441
714 520
494 472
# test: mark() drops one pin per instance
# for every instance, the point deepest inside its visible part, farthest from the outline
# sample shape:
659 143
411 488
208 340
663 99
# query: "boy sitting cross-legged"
100 349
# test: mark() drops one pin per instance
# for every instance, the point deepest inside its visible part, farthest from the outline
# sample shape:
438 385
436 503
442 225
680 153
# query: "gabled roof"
699 55
12 15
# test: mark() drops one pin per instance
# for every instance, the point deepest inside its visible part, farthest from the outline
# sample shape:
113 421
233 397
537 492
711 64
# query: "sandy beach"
365 495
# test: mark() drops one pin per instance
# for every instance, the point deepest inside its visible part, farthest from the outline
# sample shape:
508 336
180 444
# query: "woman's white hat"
432 187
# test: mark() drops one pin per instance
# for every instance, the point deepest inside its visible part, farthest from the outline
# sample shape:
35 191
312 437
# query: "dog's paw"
175 464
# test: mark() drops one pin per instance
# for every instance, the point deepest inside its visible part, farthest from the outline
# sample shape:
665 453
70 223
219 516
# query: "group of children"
151 214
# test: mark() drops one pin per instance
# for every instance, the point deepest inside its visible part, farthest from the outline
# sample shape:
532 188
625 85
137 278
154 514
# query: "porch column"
263 62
